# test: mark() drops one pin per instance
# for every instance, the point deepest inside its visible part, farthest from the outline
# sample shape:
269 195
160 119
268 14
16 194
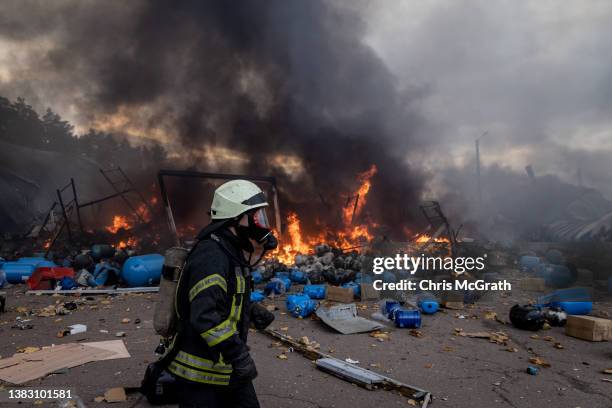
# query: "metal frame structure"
216 176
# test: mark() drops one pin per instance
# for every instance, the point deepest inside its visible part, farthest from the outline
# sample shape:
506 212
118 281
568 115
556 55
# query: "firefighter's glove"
243 368
260 316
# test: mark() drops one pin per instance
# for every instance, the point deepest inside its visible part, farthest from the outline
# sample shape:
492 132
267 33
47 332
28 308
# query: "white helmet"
234 198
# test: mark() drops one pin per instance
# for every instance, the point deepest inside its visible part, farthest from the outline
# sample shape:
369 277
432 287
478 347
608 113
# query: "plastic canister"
18 272
142 270
390 306
300 305
574 308
298 276
257 296
407 318
315 291
257 277
428 305
276 286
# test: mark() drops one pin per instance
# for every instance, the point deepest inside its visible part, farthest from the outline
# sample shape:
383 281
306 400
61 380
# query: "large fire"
350 236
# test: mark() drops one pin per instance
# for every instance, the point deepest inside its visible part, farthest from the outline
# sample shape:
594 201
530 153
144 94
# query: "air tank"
142 270
164 316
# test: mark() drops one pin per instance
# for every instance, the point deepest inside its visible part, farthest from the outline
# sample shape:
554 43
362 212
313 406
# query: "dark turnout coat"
213 299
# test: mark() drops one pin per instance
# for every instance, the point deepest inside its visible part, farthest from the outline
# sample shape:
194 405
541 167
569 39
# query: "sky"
533 76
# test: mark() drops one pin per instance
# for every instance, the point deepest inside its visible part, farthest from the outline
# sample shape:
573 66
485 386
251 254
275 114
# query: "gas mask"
258 229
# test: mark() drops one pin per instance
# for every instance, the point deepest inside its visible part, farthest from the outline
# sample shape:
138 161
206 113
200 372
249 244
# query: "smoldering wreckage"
322 282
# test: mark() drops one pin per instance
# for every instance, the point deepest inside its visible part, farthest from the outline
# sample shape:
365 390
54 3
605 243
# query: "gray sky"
536 74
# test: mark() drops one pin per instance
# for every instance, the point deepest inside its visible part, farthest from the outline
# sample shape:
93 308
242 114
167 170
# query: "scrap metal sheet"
344 319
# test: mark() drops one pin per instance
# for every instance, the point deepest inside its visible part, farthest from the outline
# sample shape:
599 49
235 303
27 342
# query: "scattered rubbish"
27 350
490 315
22 324
70 305
380 336
41 362
338 294
415 333
344 319
315 291
558 346
527 317
453 305
539 361
532 370
74 329
355 374
494 337
607 371
120 334
300 305
282 356
351 361
125 320
607 380
555 317
115 395
589 328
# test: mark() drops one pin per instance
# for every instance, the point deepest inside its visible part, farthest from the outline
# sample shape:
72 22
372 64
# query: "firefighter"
212 362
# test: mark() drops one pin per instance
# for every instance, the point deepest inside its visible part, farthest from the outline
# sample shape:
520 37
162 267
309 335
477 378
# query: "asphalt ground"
458 371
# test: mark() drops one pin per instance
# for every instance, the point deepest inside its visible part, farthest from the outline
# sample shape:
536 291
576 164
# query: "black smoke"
263 79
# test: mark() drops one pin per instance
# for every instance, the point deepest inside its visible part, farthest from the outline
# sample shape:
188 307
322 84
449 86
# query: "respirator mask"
258 229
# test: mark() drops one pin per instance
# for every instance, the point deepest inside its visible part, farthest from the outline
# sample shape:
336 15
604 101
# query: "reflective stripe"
207 282
228 327
202 363
198 376
217 334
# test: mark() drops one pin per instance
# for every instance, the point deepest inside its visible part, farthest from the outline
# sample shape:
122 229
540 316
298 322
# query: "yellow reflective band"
240 284
217 334
202 363
207 282
198 376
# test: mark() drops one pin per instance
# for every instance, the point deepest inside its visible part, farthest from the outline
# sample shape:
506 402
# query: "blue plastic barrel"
142 270
257 277
428 304
315 291
407 318
31 259
298 276
356 288
390 306
528 263
18 272
282 275
300 305
257 296
574 308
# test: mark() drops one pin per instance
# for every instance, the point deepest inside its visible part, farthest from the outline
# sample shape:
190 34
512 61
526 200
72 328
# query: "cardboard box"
368 292
338 294
532 284
589 328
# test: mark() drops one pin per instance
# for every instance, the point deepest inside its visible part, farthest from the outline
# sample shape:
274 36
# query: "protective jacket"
213 299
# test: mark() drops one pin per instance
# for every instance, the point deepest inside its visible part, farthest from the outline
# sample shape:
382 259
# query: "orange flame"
119 221
350 211
351 236
423 238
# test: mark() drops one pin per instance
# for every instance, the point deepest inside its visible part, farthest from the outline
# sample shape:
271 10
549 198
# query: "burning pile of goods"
327 264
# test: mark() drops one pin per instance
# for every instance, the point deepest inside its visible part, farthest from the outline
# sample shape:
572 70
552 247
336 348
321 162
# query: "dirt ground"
459 371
